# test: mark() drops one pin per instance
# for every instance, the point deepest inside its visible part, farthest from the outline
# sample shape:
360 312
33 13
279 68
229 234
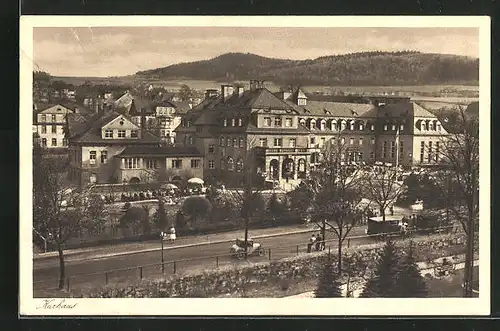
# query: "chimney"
210 93
226 91
254 84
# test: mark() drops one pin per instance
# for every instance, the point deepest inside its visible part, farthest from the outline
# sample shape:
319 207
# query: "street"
193 259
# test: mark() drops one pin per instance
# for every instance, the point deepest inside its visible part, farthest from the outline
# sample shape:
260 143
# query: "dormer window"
343 125
372 127
351 126
224 122
361 127
422 126
438 126
233 122
108 134
121 133
312 125
240 122
277 122
301 101
386 127
302 122
401 127
134 134
323 125
431 126
188 123
394 127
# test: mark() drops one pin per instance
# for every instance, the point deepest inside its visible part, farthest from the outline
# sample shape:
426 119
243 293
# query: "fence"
184 266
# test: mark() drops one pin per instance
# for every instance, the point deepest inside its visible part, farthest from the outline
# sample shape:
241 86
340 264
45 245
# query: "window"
323 125
438 126
121 133
422 148
431 126
385 127
108 134
277 122
92 157
230 164
372 127
333 140
393 150
54 142
288 122
292 142
196 163
278 142
54 129
222 164
221 141
429 155
240 122
372 156
44 142
401 149
312 125
267 121
44 129
134 134
394 127
228 142
342 125
361 141
241 142
334 126
351 126
65 142
384 150
401 127
235 142
189 123
211 164
152 164
191 141
313 140
104 156
342 140
263 142
53 118
211 149
176 164
372 141
360 156
233 122
132 163
437 151
361 127
351 141
322 142
239 165
44 118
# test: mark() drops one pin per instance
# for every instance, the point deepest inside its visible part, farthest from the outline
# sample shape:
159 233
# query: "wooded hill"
366 68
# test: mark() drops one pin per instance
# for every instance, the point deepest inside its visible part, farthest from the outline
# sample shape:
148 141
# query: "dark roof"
400 109
90 132
67 104
139 104
160 151
342 109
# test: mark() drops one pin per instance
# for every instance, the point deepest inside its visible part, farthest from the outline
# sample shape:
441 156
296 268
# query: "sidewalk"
182 242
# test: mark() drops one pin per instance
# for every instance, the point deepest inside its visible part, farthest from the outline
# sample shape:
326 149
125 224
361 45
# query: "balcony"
282 150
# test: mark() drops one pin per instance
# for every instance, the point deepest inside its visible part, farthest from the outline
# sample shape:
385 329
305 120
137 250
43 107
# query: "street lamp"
162 235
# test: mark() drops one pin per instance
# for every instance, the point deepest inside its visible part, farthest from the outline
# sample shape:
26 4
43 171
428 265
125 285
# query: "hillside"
368 68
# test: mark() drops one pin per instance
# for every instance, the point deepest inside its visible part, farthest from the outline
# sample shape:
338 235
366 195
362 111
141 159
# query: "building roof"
341 109
89 131
160 151
400 109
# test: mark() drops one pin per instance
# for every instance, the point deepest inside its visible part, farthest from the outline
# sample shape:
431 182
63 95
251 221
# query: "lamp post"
162 234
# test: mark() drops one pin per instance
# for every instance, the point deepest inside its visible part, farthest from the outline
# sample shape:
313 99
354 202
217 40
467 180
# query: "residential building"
49 123
282 134
109 147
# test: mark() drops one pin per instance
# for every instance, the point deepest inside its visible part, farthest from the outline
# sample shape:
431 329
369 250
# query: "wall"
229 280
103 171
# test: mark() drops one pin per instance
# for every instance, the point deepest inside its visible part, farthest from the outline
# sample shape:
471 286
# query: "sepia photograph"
243 161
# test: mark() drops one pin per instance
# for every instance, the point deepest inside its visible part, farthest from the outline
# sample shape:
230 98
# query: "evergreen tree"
328 284
382 284
410 283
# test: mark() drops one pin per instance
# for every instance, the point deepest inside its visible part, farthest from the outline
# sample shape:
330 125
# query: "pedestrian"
312 240
318 243
392 210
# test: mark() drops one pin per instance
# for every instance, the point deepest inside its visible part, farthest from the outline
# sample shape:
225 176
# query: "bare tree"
459 179
382 186
59 212
335 192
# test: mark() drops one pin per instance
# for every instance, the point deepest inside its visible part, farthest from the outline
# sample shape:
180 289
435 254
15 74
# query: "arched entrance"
274 168
287 168
301 168
134 180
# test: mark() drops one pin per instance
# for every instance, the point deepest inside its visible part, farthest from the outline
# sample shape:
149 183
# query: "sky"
120 51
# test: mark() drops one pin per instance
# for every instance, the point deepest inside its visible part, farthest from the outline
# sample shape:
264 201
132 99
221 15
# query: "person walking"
318 243
310 243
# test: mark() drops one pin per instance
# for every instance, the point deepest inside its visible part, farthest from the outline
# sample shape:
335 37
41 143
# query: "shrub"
328 284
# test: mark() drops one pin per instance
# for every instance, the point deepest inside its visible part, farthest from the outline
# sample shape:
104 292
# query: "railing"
175 267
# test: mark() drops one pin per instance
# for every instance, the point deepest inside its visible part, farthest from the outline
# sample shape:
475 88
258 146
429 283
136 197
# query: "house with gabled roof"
285 132
109 147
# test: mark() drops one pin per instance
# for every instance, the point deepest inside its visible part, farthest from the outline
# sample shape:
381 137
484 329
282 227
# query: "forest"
365 68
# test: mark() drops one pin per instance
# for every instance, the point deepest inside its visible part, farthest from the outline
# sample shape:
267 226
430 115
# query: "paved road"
46 272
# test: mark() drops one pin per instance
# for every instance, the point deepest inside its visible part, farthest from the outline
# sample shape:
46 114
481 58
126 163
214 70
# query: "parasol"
195 180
